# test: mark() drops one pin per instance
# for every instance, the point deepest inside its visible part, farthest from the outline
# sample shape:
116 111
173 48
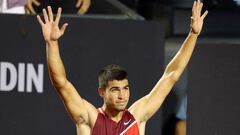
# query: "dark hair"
110 73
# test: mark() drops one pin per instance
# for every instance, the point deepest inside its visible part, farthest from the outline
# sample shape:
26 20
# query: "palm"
197 25
50 29
197 19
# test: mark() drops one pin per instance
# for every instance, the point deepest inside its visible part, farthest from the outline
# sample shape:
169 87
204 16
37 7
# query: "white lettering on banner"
3 76
32 77
24 74
21 77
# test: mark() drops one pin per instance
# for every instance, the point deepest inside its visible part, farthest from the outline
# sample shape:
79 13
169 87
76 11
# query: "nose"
121 94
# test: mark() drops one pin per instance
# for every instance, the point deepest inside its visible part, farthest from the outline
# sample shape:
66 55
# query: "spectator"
18 6
181 125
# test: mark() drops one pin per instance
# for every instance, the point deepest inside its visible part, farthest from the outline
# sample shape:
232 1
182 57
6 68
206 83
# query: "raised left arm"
145 107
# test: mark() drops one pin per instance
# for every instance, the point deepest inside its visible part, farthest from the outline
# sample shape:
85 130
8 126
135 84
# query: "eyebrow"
118 87
114 88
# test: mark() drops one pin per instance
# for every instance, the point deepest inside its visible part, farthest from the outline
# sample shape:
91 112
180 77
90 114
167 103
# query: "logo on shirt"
126 123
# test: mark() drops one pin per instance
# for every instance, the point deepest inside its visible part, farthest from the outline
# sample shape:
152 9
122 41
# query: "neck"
113 114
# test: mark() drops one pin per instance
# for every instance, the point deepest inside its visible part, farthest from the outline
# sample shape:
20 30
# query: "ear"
101 92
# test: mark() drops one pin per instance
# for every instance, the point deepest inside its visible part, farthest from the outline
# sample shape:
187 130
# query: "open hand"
197 19
50 28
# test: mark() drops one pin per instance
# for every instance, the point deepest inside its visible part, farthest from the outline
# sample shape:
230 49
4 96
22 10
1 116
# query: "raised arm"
144 108
79 109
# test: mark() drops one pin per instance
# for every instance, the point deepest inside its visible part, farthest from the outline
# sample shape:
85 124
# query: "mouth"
121 102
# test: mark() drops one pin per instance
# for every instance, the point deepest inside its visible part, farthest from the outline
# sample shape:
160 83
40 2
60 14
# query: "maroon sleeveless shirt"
105 126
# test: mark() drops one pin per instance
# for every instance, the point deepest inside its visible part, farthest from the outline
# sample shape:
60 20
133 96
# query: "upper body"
113 82
105 126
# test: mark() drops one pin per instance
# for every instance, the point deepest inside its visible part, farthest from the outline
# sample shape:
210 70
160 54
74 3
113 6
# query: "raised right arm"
79 109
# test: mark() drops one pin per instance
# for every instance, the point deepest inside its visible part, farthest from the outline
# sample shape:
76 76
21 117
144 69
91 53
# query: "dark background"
213 90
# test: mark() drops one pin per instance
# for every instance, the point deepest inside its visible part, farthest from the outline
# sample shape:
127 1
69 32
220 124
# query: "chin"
121 108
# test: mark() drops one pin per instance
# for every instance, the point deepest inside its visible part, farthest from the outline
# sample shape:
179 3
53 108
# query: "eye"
126 88
114 89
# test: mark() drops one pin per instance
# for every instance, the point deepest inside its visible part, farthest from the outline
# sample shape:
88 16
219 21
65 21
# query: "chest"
126 126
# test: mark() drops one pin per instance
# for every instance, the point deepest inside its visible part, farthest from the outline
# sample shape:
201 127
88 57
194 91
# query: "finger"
192 20
200 8
197 7
85 6
50 13
45 15
78 4
194 8
204 15
40 20
198 1
31 9
36 3
81 11
64 28
58 15
27 11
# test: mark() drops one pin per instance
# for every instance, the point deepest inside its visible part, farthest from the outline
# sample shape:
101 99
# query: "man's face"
116 95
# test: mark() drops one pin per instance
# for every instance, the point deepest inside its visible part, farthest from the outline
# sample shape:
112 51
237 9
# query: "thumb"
204 15
64 28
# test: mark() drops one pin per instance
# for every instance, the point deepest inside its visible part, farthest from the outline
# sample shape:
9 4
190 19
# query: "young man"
112 118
